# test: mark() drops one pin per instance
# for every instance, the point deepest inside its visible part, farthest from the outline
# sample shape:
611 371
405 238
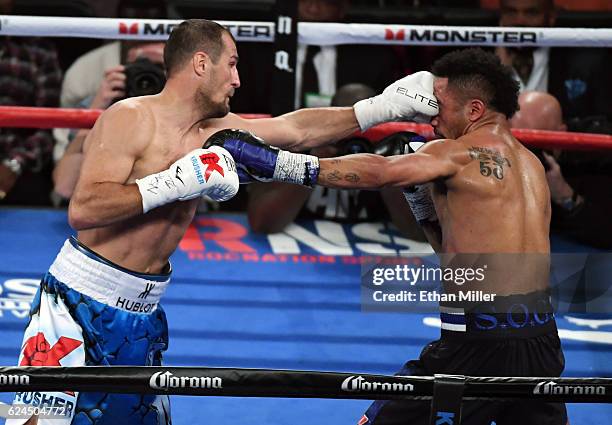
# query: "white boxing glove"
210 172
408 99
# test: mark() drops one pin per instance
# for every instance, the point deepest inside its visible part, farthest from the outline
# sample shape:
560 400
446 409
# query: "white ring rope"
312 33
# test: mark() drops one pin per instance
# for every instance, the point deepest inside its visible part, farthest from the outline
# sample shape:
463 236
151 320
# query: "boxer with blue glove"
258 161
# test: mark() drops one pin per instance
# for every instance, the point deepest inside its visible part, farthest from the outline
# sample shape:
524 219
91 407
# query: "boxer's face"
450 121
223 80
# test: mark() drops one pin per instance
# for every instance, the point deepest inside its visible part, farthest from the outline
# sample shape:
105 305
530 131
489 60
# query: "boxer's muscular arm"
102 195
368 171
299 130
440 159
408 99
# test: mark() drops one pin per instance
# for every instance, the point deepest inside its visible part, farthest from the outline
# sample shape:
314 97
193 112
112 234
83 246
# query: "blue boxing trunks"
515 335
91 312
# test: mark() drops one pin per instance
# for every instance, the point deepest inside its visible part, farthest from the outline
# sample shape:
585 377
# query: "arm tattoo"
352 177
491 161
334 176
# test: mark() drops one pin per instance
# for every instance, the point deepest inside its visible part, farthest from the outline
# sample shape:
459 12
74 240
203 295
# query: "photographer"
101 77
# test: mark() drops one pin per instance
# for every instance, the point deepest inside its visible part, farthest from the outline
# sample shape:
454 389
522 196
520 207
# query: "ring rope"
236 382
318 33
38 117
34 117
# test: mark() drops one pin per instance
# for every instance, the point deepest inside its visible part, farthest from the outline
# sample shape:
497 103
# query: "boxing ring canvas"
285 301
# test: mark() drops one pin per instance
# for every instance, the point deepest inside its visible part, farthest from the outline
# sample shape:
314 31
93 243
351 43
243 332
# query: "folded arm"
102 195
105 192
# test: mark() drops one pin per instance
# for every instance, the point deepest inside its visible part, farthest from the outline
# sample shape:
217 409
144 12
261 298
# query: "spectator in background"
31 76
272 206
580 182
319 69
95 81
577 77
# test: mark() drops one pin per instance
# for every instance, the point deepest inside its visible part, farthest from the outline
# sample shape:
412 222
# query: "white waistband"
105 283
452 319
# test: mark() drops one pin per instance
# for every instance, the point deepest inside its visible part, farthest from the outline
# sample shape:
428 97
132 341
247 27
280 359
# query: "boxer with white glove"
408 99
210 172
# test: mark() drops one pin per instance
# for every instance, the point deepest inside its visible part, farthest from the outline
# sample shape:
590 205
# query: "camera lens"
144 78
146 84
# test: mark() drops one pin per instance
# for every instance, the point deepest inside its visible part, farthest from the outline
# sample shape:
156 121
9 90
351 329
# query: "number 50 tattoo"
491 161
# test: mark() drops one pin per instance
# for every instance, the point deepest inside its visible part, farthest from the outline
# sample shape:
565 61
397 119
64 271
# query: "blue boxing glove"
258 161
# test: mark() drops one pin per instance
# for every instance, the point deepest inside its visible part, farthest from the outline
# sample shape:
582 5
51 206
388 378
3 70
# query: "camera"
143 78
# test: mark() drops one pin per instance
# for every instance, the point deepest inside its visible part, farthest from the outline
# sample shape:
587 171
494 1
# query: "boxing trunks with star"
91 312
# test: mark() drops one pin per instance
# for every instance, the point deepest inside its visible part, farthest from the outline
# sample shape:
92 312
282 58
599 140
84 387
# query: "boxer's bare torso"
497 201
150 141
496 205
490 195
140 136
143 243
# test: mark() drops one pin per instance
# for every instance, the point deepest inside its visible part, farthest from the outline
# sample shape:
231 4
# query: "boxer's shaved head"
191 36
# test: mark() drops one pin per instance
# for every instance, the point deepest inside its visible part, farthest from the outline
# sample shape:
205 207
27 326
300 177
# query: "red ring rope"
28 117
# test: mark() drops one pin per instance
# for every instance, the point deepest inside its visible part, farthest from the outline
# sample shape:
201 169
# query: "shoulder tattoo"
492 162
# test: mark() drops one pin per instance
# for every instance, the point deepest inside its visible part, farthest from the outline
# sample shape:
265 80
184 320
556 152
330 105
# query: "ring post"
285 52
